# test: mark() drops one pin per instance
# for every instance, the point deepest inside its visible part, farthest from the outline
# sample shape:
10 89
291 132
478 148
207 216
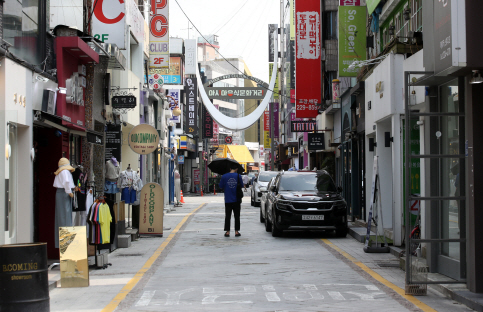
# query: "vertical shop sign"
113 142
271 41
352 38
152 209
350 2
276 119
207 124
191 63
191 106
109 22
275 88
173 102
266 130
307 58
159 34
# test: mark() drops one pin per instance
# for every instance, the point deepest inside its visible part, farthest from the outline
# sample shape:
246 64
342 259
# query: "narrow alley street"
194 268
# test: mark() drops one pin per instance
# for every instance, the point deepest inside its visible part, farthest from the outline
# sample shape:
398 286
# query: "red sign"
308 78
350 2
292 96
228 140
196 176
266 121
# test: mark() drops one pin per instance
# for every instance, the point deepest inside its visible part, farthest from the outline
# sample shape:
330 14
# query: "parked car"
305 201
263 199
262 180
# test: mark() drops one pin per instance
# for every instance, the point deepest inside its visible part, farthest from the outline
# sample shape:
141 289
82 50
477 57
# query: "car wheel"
276 232
268 225
262 219
341 232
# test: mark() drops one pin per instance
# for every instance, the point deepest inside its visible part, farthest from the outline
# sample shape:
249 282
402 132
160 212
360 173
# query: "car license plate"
310 217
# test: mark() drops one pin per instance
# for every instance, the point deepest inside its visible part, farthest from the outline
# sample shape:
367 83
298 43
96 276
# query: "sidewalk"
377 262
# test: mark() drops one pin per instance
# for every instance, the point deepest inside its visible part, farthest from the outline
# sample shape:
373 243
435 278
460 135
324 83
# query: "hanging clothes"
105 219
100 220
128 180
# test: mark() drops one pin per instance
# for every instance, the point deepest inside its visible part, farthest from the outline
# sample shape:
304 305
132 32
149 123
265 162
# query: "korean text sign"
191 90
352 38
308 77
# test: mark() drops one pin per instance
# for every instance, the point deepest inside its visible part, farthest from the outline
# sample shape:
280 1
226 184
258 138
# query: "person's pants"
235 207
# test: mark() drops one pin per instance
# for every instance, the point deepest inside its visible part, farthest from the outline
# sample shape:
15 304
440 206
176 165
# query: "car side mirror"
339 189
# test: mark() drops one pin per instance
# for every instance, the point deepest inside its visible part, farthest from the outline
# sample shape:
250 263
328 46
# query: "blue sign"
180 159
175 79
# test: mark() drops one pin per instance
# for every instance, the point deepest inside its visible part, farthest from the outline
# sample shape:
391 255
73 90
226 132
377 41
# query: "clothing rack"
98 196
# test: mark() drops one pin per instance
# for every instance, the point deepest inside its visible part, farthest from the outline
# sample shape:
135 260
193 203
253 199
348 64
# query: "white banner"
109 22
191 65
159 34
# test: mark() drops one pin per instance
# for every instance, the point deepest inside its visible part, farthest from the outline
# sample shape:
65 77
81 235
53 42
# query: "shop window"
330 25
75 150
24 28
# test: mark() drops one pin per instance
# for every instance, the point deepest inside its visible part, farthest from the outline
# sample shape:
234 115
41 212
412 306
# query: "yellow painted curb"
137 277
380 279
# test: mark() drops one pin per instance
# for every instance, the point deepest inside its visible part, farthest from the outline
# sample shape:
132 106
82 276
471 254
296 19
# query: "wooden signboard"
151 209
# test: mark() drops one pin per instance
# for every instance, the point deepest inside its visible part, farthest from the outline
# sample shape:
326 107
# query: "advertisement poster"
207 124
174 98
308 78
74 267
151 210
275 88
113 142
352 38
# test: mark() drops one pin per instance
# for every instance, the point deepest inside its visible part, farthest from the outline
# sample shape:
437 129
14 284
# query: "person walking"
229 182
245 179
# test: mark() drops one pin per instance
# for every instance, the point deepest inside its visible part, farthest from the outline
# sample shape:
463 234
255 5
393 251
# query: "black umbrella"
223 165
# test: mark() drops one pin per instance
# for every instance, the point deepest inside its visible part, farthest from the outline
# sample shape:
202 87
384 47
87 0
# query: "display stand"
376 206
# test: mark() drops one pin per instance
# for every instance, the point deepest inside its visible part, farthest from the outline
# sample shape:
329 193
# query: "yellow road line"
133 282
380 279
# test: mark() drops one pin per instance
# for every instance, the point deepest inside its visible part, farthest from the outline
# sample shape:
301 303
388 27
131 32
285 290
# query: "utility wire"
286 97
220 28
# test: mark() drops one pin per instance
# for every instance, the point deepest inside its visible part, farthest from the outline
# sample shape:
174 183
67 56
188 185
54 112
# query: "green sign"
372 5
275 89
352 38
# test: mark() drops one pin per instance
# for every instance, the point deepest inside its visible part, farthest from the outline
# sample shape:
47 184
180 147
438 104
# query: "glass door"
450 140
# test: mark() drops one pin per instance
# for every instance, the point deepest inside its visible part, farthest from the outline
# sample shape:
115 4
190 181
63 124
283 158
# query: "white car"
263 201
263 178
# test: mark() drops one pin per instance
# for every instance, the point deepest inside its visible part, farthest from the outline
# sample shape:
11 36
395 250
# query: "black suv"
306 200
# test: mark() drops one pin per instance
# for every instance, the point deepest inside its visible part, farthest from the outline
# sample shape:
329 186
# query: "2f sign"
109 21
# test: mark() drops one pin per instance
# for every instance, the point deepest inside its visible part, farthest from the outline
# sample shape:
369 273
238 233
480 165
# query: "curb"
460 294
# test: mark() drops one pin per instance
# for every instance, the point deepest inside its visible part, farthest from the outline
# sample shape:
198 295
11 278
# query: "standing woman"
229 182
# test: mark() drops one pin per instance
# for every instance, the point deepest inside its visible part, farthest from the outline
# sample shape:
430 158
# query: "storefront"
58 132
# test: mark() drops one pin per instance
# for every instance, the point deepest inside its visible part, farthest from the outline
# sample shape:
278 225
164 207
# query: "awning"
240 153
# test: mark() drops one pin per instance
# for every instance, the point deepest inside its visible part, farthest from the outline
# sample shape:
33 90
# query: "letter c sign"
99 13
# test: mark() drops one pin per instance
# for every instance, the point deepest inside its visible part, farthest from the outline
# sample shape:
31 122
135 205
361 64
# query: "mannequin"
112 172
129 182
63 197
